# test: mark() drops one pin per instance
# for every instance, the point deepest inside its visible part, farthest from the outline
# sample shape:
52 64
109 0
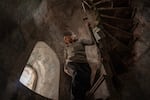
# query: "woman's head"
69 37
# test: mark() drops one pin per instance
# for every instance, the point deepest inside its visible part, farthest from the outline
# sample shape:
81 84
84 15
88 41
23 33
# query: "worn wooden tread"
116 8
121 35
102 1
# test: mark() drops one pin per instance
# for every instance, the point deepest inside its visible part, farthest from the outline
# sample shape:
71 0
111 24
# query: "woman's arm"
87 42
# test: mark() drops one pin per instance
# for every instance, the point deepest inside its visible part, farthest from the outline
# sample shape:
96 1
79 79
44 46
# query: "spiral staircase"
116 23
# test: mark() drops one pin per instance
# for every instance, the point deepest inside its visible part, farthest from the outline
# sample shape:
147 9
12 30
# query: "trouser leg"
81 82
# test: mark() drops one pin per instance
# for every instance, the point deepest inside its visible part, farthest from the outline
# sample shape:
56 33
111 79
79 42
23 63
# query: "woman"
77 65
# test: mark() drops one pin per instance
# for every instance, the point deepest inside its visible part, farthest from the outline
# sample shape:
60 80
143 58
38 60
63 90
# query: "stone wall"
135 82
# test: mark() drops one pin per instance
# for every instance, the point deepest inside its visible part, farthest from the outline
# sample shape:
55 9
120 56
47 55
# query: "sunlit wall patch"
42 71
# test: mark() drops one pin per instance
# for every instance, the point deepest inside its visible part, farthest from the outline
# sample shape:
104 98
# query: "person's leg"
81 81
85 76
77 89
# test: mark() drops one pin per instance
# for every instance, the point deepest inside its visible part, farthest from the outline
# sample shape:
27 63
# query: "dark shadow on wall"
7 25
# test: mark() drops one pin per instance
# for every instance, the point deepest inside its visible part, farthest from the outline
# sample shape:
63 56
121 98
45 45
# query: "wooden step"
103 4
94 1
121 3
101 1
121 12
116 41
116 45
119 34
122 23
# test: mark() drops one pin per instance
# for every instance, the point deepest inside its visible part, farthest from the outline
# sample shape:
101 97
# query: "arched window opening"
29 77
42 71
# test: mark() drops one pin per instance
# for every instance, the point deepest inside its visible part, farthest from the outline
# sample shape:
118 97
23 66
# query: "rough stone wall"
135 82
13 44
142 47
22 24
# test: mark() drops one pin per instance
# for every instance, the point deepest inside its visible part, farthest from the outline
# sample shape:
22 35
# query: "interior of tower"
32 48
